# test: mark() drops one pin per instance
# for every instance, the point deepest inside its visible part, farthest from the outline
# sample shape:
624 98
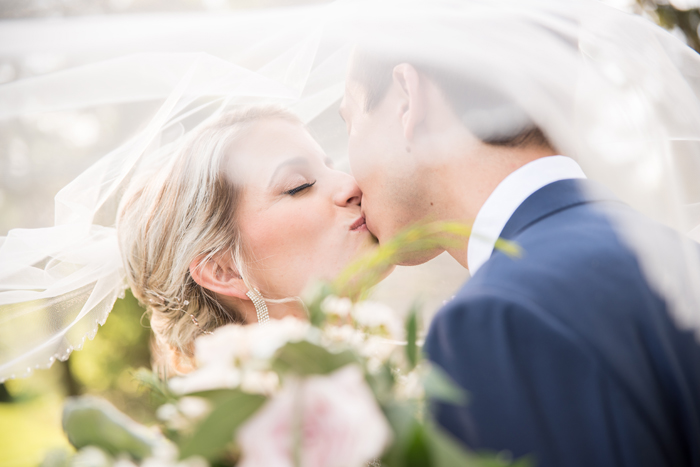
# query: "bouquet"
348 388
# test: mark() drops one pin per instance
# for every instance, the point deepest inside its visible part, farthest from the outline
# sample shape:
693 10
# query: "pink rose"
341 424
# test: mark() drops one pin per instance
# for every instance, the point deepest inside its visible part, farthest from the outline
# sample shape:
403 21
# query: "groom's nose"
348 192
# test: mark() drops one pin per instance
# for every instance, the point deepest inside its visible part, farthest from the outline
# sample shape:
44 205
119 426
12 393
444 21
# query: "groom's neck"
466 179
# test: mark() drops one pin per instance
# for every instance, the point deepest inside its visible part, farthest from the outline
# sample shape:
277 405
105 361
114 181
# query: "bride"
247 214
580 70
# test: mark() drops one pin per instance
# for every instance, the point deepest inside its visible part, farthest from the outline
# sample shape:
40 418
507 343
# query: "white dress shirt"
508 196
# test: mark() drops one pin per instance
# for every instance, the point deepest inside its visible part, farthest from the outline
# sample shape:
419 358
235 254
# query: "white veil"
58 283
609 89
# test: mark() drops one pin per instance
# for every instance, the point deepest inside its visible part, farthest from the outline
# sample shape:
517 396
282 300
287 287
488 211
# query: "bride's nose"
348 192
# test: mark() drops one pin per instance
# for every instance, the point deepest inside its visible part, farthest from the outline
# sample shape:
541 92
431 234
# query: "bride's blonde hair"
178 214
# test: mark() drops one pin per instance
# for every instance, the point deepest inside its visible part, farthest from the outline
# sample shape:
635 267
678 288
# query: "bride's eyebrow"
298 161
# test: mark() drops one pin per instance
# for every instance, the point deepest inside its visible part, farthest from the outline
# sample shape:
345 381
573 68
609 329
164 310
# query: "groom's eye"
300 188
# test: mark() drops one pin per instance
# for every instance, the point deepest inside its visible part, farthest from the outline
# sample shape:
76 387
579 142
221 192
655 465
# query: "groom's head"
412 127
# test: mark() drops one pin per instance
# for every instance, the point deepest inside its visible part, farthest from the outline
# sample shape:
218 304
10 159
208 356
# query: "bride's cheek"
308 218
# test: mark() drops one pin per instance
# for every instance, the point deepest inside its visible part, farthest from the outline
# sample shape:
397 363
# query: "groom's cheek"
356 154
365 160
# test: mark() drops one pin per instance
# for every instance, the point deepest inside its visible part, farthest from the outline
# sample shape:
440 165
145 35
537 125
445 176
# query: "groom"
567 353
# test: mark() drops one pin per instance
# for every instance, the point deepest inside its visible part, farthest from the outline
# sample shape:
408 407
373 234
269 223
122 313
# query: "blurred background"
41 154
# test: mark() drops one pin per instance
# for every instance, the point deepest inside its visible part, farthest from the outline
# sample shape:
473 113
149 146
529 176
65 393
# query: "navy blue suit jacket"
567 354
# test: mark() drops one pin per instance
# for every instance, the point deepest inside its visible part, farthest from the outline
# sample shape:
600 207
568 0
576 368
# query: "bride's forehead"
275 136
269 143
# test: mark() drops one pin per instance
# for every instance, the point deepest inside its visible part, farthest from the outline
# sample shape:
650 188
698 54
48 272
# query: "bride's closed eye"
300 188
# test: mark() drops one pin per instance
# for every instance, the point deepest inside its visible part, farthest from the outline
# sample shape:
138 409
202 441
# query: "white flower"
376 315
333 305
165 455
264 341
220 347
181 416
92 456
194 408
167 412
375 348
379 348
233 343
344 334
224 356
374 365
341 424
172 417
205 379
410 386
194 461
260 382
123 461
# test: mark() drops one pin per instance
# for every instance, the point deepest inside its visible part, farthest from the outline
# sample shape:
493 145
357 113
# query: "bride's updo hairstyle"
176 214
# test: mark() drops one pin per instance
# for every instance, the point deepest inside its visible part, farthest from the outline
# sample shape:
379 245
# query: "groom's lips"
359 225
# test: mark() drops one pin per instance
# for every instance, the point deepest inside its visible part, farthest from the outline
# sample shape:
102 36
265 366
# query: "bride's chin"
372 241
371 245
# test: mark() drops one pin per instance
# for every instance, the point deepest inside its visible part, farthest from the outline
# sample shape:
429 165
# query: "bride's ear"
219 277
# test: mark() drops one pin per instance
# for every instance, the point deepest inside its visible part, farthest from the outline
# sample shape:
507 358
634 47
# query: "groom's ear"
218 276
412 103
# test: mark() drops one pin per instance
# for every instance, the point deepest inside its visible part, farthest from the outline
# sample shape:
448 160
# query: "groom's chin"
418 257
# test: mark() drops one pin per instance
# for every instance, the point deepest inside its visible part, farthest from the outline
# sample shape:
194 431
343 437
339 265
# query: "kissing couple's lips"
359 225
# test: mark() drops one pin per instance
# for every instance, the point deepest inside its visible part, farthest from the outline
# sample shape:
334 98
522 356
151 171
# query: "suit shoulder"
489 305
577 251
489 317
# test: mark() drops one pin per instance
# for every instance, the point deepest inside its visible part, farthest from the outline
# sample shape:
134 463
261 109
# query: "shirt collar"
508 196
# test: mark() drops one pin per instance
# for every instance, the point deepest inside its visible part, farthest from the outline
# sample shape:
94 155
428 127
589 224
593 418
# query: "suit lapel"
553 198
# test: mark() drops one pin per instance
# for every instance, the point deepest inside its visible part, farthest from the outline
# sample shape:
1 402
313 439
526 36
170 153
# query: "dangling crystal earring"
260 305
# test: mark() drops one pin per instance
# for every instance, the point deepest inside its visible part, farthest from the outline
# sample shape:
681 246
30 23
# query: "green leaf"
487 459
382 383
417 452
402 417
154 384
211 437
215 396
511 249
365 272
304 358
91 421
412 353
439 386
447 451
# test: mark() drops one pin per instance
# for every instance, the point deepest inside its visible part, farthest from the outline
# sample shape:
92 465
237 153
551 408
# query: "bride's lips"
359 225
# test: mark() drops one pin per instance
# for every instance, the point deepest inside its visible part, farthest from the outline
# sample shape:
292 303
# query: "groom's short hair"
478 104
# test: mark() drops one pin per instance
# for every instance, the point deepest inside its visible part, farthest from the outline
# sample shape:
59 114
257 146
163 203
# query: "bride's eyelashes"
300 188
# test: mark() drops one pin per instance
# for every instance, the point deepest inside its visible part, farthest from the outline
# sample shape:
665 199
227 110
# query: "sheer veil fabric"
609 89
